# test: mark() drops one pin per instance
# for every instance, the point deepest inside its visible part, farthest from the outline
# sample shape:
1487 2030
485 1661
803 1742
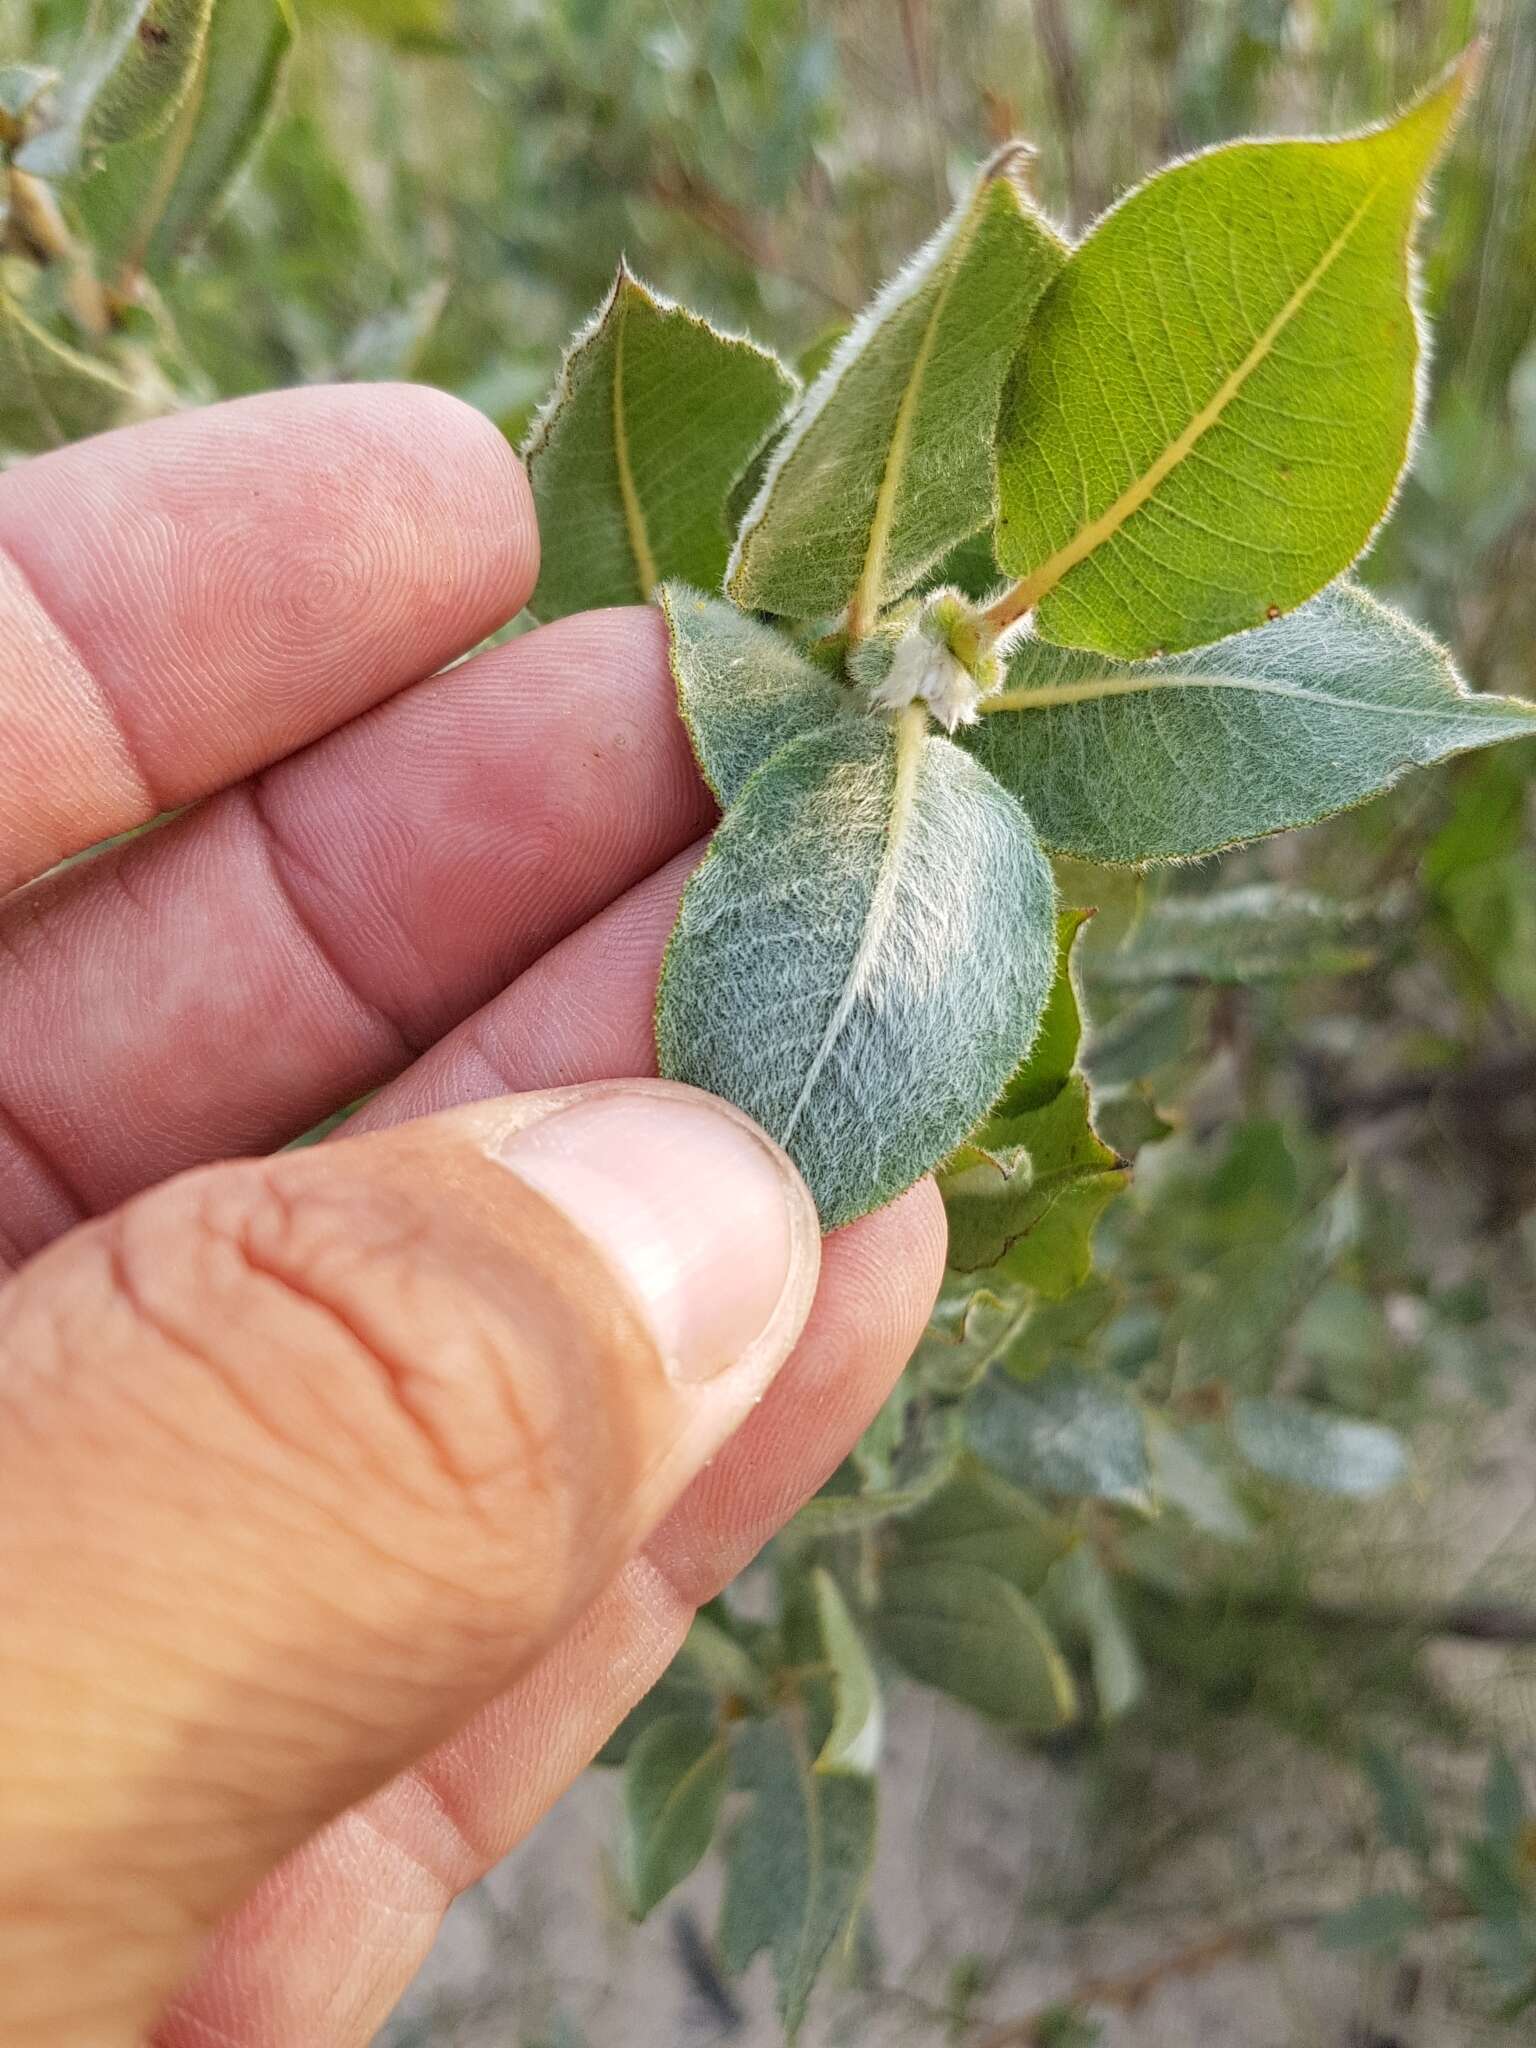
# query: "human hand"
348 1498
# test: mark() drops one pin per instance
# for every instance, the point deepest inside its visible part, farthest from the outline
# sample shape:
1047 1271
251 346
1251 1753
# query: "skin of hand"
349 1496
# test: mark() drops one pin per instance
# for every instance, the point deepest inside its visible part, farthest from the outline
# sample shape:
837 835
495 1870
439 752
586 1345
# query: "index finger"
184 601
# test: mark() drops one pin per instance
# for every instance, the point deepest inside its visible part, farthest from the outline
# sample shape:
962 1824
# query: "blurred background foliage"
1319 1054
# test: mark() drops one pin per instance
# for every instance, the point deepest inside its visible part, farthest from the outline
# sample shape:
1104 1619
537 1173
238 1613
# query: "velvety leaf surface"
1218 394
797 1865
1310 1447
1070 1431
1258 932
743 689
1183 1479
49 393
653 417
1163 760
674 1783
964 1630
150 198
863 956
887 463
853 1744
155 60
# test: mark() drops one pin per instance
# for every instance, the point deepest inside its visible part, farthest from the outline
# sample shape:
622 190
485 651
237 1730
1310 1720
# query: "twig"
677 189
1130 1988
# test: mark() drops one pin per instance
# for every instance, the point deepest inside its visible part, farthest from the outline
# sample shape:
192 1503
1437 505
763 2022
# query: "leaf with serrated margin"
674 1784
1070 1430
1218 395
797 1864
49 392
863 956
853 1742
1261 931
144 204
1164 760
653 417
743 689
1308 1446
965 1630
887 463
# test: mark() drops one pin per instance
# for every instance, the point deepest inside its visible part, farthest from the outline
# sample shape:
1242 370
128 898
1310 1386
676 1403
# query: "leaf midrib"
911 737
1092 688
865 602
1039 582
629 496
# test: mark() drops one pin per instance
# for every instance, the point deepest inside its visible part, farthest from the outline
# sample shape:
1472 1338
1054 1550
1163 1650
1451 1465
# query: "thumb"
302 1459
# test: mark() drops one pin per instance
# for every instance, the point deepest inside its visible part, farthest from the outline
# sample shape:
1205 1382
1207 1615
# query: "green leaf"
797 1865
853 1743
1068 1431
1310 1447
1218 394
864 1492
1079 1594
652 418
743 689
1163 760
887 463
1047 1067
1400 1807
1182 1479
862 957
674 1783
1381 1920
1258 932
49 392
144 204
1503 1800
964 1630
979 1518
1026 1212
971 1330
123 89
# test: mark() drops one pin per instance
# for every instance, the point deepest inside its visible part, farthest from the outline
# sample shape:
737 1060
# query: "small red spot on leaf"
154 32
1272 611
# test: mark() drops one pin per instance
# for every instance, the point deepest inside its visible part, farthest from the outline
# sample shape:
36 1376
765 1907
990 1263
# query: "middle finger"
218 986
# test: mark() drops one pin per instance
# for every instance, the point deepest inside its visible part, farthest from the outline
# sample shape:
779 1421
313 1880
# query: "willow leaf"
653 417
50 393
798 1863
1162 760
1259 931
863 956
126 91
853 1743
979 1518
674 1783
1026 1212
1218 396
887 463
962 1628
149 199
1070 1430
743 689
